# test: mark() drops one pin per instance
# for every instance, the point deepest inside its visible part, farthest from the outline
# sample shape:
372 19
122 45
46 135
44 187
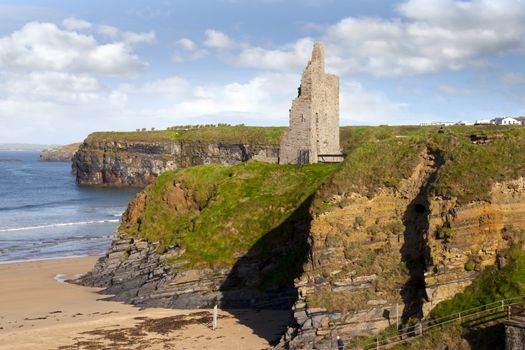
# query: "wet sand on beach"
38 311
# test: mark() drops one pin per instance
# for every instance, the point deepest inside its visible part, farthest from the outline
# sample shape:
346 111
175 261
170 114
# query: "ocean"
44 214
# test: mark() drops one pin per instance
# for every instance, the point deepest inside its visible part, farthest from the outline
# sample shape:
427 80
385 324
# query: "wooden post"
377 342
214 322
397 316
502 305
508 312
459 317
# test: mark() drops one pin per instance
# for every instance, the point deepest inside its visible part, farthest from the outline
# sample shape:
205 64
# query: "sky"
69 68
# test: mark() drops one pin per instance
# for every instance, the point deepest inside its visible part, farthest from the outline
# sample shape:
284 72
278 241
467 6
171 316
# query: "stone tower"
313 135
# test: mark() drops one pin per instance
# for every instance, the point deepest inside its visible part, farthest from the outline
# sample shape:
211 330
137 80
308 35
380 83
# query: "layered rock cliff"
401 225
137 159
60 153
385 253
201 236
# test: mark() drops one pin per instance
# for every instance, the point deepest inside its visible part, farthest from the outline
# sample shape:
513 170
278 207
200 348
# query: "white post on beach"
397 316
214 322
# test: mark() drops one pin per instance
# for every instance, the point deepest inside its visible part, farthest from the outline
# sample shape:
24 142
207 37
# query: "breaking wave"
36 227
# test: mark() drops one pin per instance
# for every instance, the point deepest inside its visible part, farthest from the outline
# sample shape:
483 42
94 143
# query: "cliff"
138 158
401 225
60 153
207 234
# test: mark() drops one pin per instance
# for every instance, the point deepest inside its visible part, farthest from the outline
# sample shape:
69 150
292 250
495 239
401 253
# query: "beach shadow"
263 278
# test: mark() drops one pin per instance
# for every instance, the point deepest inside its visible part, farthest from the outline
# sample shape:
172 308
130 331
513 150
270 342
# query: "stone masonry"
314 116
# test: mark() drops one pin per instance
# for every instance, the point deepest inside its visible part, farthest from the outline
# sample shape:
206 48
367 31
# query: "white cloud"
127 37
179 57
360 106
191 51
187 44
50 87
73 23
108 30
45 47
513 78
430 36
134 38
218 40
290 58
455 90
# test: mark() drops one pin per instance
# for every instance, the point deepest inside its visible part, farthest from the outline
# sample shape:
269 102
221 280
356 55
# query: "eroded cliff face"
379 261
261 218
478 231
60 153
134 163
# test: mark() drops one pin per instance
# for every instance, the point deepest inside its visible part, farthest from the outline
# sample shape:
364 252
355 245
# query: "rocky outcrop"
60 153
134 272
138 163
377 262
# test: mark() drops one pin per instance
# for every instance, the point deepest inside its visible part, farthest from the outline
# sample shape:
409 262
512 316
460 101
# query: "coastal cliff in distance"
138 158
59 153
403 224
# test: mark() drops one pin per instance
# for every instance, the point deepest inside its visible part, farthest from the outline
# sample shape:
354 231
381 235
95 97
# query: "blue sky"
68 68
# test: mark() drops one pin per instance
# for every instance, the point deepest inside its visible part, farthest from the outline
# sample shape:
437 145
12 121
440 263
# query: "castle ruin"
313 135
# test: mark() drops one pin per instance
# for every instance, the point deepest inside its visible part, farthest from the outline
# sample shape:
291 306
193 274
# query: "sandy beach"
39 311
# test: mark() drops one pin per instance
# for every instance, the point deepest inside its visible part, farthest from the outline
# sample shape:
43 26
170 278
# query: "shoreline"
8 262
37 311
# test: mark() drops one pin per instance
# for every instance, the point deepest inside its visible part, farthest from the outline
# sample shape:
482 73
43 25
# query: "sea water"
44 214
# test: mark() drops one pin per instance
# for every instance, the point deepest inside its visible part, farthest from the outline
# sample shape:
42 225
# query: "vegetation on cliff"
381 157
494 283
237 134
217 213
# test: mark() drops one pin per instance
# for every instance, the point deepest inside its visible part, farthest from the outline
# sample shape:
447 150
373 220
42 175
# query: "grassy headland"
237 134
474 159
227 210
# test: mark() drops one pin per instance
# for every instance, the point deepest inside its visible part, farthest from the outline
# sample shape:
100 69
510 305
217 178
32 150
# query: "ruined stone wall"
314 116
514 337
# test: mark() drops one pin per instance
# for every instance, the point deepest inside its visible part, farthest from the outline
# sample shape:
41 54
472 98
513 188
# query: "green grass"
470 169
230 208
492 285
220 133
369 167
381 157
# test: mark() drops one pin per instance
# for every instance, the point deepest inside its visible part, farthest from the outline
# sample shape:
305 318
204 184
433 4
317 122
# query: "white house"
505 121
483 122
437 124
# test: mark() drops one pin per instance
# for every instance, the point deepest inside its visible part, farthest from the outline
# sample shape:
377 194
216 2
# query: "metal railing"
330 158
505 308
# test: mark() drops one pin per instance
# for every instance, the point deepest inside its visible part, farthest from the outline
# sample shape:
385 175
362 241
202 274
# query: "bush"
445 233
373 229
359 222
470 265
396 227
